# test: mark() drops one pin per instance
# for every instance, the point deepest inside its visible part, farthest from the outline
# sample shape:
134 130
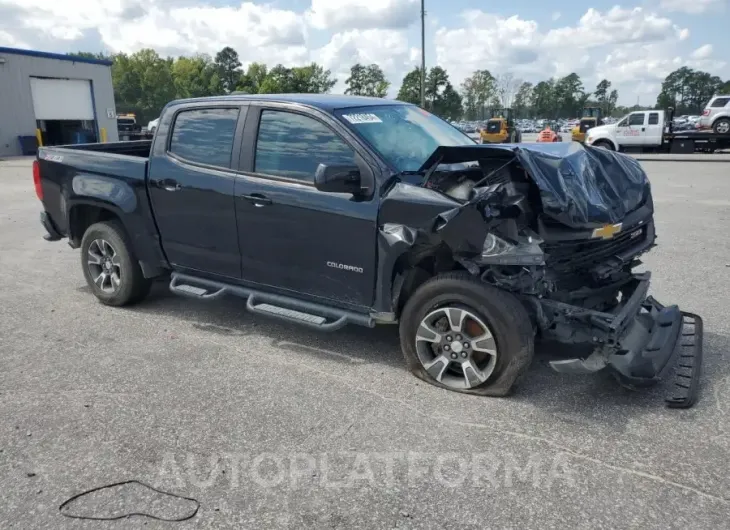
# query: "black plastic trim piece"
52 233
688 368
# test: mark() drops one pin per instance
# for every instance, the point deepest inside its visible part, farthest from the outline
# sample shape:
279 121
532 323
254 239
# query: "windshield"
404 135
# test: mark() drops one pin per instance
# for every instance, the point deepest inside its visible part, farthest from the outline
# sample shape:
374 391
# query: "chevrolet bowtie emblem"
607 231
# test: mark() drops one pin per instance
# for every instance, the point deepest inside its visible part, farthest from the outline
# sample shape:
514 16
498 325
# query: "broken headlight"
497 251
495 246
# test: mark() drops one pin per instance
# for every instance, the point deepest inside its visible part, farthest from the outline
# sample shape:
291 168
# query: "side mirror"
337 179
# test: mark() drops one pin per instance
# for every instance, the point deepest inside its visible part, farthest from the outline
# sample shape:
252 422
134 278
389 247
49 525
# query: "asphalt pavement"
266 425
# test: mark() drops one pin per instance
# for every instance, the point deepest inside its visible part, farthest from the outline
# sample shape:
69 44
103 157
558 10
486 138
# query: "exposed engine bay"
561 227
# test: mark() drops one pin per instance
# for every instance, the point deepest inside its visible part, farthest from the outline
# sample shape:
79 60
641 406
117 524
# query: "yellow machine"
500 129
591 118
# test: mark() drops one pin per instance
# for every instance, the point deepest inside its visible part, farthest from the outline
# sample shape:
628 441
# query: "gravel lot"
268 425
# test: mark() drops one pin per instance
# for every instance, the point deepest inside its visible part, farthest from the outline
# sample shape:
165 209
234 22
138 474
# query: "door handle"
257 199
169 185
643 129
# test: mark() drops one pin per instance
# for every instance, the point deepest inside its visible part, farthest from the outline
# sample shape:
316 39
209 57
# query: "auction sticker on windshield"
362 118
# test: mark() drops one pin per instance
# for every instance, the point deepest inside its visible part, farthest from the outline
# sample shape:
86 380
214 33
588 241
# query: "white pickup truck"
651 130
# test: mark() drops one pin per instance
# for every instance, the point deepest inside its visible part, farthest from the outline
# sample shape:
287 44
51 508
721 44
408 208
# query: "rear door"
191 185
653 134
293 237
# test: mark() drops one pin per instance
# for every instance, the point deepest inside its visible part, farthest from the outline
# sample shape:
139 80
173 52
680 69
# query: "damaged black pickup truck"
328 210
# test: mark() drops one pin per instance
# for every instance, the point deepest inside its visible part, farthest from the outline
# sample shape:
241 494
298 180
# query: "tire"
605 144
131 285
512 335
721 126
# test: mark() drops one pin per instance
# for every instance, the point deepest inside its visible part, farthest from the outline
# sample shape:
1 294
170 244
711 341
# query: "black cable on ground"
141 514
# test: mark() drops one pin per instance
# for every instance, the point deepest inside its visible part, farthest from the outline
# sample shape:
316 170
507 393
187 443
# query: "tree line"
144 82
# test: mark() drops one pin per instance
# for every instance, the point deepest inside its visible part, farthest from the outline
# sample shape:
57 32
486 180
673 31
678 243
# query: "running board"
310 314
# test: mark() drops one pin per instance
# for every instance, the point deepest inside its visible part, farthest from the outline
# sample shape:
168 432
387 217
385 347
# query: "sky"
634 44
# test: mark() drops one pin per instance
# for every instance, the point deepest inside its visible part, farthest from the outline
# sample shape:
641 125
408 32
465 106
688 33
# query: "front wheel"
458 333
604 144
109 265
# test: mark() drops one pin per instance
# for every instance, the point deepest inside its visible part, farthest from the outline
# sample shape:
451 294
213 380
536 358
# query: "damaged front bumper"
642 342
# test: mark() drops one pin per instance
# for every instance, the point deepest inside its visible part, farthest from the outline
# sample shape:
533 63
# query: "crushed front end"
564 230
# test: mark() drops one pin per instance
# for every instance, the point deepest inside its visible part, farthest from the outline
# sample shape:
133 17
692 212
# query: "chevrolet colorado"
327 210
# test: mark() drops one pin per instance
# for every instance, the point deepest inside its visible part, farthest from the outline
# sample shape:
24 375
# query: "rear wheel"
459 333
110 268
721 126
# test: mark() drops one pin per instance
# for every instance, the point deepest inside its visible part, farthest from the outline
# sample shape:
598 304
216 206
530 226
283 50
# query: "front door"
191 190
632 129
292 236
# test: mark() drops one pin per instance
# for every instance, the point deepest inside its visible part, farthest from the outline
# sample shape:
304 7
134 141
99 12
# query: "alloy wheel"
105 267
456 347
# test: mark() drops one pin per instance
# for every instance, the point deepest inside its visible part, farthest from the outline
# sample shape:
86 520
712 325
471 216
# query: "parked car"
716 115
325 210
152 126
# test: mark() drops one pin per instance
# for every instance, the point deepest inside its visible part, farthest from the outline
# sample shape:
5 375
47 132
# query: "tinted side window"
291 145
654 118
720 102
636 119
205 136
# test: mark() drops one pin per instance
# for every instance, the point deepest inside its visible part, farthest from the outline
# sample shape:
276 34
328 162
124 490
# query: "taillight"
37 180
706 112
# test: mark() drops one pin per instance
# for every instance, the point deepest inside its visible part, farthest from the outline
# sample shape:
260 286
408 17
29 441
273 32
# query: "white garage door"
61 99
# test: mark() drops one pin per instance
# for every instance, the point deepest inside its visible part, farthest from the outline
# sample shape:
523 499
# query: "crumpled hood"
581 187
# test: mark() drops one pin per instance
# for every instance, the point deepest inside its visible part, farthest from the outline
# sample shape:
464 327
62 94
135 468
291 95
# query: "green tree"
367 81
143 83
569 96
544 99
253 79
602 95
195 76
688 90
478 91
523 101
410 89
611 102
448 104
310 79
229 68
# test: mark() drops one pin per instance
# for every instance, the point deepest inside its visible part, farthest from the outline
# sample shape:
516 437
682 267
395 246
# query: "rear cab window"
291 146
204 136
653 118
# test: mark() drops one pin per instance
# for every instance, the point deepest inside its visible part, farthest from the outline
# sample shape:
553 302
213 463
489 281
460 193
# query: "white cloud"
6 39
616 26
633 48
339 15
258 32
387 48
487 41
703 52
693 7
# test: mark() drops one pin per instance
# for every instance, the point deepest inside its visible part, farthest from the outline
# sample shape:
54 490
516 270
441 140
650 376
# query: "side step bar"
310 314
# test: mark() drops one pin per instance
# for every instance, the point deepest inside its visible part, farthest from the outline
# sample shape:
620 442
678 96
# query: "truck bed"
139 148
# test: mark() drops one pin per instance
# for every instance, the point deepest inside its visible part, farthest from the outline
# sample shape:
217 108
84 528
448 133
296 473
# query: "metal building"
53 99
